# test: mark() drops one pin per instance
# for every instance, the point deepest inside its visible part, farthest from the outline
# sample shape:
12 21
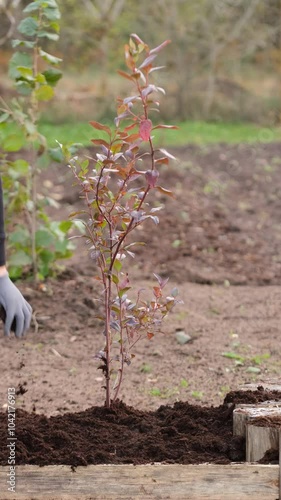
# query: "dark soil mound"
182 434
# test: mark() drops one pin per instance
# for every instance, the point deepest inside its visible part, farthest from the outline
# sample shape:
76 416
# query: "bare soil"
219 242
182 433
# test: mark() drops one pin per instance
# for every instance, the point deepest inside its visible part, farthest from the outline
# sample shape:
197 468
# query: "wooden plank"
268 385
144 482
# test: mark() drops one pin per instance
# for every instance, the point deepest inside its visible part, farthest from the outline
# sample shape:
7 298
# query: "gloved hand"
18 311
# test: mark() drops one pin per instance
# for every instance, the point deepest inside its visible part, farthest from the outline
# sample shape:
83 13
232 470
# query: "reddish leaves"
145 129
100 126
160 47
115 206
152 177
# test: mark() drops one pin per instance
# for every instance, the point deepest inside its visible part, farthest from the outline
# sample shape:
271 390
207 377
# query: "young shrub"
118 194
36 241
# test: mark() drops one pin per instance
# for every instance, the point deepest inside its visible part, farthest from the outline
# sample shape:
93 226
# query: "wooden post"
246 412
260 424
259 440
279 463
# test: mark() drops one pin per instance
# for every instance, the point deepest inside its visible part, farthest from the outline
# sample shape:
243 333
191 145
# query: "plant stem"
33 216
121 369
108 340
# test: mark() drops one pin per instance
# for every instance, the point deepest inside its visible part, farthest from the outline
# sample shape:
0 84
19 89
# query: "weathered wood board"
144 482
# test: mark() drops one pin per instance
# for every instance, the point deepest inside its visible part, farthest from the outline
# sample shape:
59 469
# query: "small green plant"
117 186
146 368
164 393
155 392
35 242
184 383
260 358
197 395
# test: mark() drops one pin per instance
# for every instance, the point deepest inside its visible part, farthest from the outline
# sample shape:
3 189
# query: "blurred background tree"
224 63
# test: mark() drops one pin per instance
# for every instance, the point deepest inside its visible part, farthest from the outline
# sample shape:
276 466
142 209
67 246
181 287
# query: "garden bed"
222 229
148 453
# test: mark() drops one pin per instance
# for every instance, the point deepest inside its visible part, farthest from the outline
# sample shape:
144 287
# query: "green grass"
189 132
200 133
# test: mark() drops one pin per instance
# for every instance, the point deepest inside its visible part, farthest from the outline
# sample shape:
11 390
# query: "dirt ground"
219 242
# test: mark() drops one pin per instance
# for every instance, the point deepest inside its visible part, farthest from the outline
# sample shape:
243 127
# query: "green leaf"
124 290
52 14
40 78
44 238
51 3
115 279
15 272
20 236
117 265
49 58
23 87
13 142
19 258
26 72
50 36
21 167
28 26
19 59
52 75
253 369
233 355
65 225
54 25
4 117
61 247
30 128
56 154
33 6
44 93
23 43
45 256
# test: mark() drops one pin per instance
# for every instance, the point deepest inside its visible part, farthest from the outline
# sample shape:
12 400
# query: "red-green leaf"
145 129
163 161
129 59
160 47
138 39
151 177
157 292
100 142
123 291
165 191
131 138
162 281
174 127
125 75
130 127
100 126
166 153
147 61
